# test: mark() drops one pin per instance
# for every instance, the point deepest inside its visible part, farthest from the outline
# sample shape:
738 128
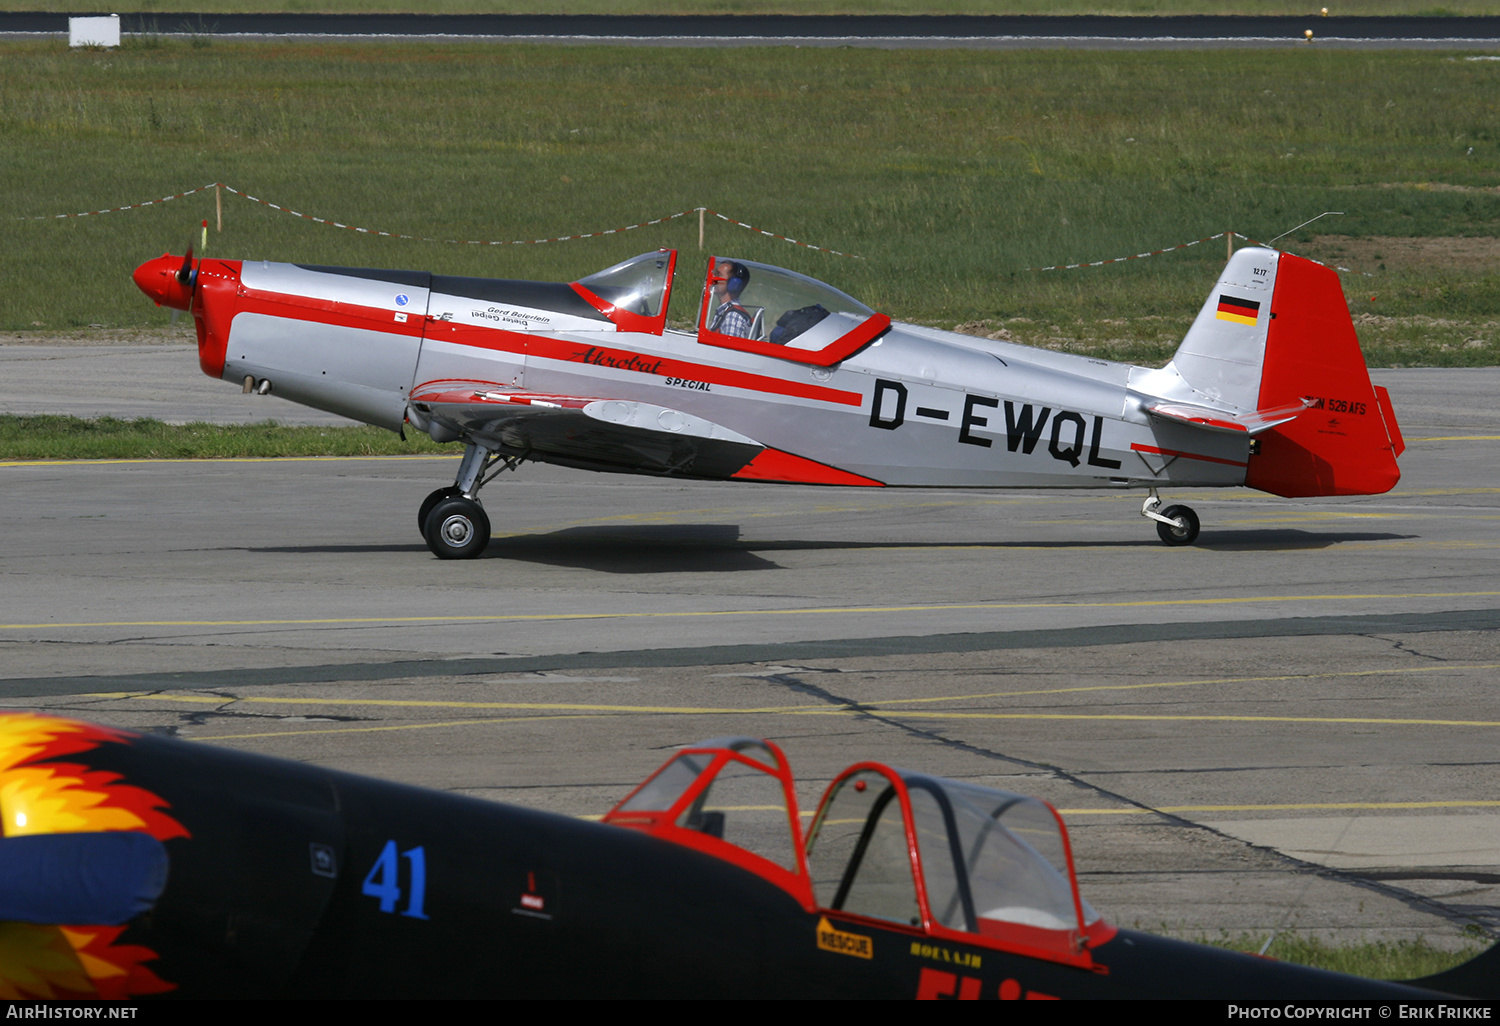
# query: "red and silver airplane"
788 379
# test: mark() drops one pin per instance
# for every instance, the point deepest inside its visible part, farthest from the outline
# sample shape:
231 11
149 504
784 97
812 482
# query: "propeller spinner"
170 282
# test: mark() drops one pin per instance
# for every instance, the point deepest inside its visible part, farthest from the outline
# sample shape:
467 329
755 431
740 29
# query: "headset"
739 278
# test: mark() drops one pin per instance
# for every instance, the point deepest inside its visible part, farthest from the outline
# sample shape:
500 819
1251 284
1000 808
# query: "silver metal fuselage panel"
362 373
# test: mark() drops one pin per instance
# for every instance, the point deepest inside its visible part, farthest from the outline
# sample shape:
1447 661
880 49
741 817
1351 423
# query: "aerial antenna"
1304 224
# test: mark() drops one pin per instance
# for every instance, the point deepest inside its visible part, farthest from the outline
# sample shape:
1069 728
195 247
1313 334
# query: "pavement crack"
871 712
1400 646
203 718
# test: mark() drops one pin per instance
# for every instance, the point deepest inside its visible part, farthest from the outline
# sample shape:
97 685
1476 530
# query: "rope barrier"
610 231
1184 245
1139 256
114 210
454 242
774 235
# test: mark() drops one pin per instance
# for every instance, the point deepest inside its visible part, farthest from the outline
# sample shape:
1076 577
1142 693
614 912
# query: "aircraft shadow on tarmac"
720 548
675 548
655 549
1280 540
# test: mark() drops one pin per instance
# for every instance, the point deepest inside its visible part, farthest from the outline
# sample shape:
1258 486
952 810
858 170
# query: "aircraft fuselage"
917 407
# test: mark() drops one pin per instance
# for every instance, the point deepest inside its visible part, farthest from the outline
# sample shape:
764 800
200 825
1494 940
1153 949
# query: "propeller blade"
185 272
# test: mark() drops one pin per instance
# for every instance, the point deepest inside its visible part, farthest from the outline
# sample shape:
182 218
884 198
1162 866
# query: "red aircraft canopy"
923 854
770 311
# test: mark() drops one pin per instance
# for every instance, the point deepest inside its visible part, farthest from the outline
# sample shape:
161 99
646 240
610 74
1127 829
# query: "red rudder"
1344 443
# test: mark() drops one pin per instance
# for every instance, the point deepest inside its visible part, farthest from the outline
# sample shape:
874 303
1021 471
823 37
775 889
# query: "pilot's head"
732 276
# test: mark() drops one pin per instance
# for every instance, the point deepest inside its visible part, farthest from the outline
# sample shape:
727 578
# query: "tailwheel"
1182 528
457 528
431 501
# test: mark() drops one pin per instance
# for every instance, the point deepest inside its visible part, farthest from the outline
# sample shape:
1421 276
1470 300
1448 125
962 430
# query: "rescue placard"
831 938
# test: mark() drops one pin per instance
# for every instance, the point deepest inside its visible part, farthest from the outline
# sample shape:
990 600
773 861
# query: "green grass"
1379 960
72 438
952 173
1349 7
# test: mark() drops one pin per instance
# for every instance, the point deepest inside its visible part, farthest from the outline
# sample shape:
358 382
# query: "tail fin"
1275 333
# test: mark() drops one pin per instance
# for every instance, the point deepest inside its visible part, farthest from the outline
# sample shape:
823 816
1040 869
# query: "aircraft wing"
583 430
1225 420
599 433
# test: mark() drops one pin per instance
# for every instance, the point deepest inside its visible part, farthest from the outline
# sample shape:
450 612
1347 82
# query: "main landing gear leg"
1175 525
453 522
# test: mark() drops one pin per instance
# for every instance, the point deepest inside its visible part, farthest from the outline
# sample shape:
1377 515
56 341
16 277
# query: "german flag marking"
1240 311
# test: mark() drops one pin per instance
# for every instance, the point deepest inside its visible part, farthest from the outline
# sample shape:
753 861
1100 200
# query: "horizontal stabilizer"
1223 420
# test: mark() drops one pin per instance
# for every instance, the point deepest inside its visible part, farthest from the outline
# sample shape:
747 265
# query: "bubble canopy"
770 311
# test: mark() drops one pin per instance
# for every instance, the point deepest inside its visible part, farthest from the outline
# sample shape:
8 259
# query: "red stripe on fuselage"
347 315
625 359
328 311
1138 447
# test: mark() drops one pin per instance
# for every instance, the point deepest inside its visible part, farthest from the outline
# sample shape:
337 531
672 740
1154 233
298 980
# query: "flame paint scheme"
1268 388
279 879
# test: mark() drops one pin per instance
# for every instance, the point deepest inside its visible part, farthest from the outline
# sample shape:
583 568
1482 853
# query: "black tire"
457 528
1185 532
431 501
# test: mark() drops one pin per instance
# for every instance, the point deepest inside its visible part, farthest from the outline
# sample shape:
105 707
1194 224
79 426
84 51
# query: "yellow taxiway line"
426 703
559 710
800 611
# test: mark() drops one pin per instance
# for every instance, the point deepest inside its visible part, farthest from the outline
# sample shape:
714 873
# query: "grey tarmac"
1291 725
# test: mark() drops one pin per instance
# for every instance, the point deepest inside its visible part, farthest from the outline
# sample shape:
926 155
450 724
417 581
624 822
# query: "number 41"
383 882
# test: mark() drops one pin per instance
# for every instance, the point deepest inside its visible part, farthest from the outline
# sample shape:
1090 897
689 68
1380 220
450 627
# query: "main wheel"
431 501
457 528
1184 532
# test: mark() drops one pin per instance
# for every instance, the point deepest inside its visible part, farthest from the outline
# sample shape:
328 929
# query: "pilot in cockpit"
731 317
